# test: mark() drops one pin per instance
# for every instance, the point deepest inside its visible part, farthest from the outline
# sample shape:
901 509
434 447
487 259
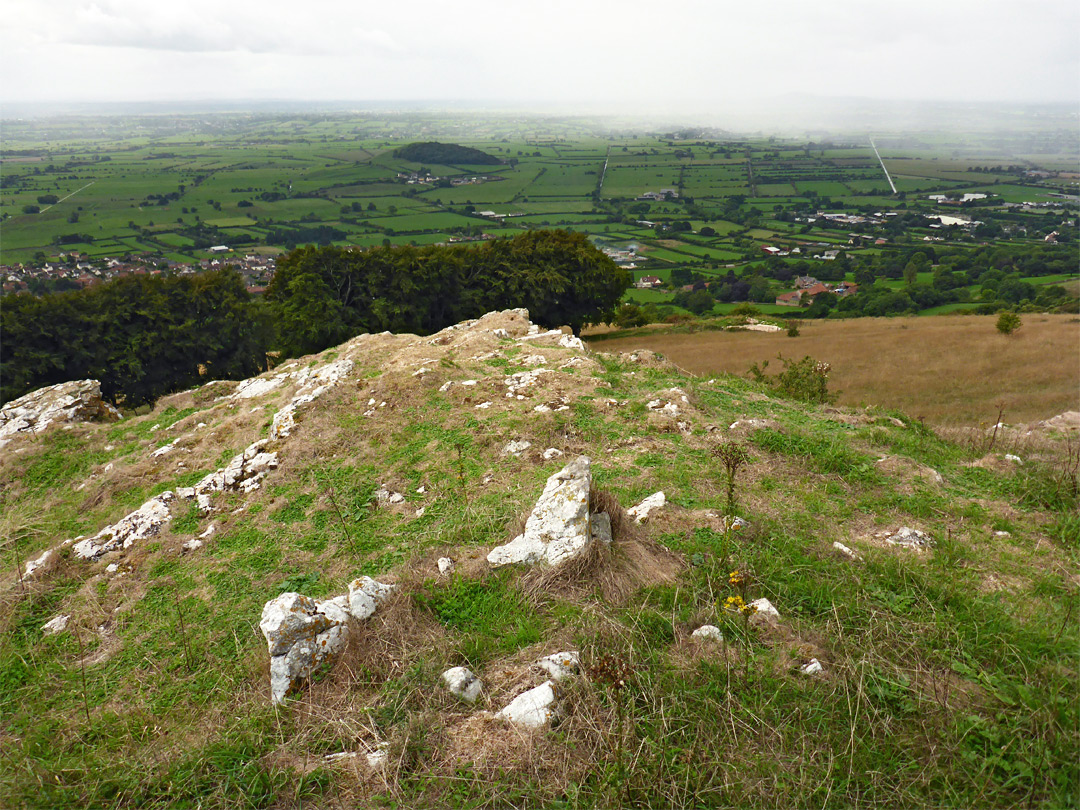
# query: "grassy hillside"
950 673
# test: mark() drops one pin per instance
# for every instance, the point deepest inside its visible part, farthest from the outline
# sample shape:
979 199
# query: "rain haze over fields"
631 58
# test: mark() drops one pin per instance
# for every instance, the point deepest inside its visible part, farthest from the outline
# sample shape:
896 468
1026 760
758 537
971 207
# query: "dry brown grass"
944 369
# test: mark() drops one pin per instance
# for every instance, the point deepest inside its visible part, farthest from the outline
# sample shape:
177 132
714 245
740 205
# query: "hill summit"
488 567
446 154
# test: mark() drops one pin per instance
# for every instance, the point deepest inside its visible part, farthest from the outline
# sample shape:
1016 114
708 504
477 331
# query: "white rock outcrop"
144 522
302 635
33 565
76 401
463 683
532 709
558 528
244 473
516 448
641 512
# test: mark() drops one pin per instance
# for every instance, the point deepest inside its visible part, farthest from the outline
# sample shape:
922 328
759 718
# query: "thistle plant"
732 456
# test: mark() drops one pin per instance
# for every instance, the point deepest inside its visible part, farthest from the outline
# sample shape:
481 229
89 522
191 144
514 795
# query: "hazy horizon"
688 58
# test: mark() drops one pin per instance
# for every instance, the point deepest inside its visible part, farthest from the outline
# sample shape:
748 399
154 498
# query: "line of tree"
145 336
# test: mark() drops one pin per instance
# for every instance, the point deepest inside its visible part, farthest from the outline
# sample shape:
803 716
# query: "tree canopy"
445 153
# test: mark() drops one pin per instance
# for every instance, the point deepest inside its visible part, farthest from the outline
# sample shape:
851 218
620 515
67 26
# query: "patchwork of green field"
204 180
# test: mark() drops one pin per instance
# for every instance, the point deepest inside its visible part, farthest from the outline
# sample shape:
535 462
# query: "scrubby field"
944 369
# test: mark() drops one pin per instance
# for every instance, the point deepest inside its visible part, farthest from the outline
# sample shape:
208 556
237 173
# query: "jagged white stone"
516 448
463 683
290 617
551 452
379 757
572 342
386 496
813 668
558 527
560 665
708 632
446 566
641 512
55 625
34 565
365 594
257 386
532 709
146 521
75 401
301 635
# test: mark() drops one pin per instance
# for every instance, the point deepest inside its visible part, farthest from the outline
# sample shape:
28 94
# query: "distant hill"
445 153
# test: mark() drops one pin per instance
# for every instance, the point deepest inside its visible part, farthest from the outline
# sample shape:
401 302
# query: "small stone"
560 665
112 568
34 565
379 757
813 668
1013 459
461 682
421 490
446 566
420 512
708 632
193 545
845 550
551 453
1002 534
516 448
909 538
365 594
641 512
765 608
532 709
55 625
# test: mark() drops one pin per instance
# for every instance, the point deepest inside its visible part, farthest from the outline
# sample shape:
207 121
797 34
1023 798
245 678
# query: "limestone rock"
303 658
552 452
813 668
290 618
909 538
33 565
558 528
463 683
77 401
708 632
55 625
302 635
765 608
847 552
560 665
516 448
385 496
144 522
446 566
532 709
379 757
641 512
365 594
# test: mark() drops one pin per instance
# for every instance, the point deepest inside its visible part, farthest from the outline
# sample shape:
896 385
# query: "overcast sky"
628 55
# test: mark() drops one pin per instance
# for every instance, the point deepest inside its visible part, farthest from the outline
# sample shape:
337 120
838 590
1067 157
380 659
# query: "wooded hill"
447 154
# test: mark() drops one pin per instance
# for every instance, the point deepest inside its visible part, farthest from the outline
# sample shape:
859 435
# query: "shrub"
1008 322
806 379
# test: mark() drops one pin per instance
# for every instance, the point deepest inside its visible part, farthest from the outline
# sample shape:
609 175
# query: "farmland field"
167 188
946 369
